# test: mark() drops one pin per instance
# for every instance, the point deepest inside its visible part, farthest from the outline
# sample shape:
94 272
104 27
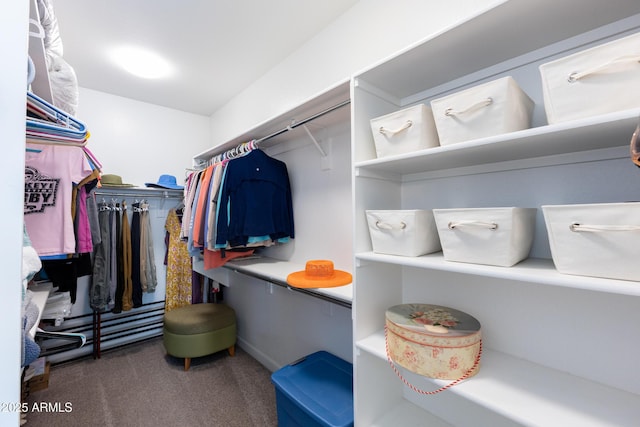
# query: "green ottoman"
199 330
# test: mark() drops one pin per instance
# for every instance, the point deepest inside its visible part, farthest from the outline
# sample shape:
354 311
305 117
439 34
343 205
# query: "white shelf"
529 393
606 131
276 271
408 414
310 107
532 270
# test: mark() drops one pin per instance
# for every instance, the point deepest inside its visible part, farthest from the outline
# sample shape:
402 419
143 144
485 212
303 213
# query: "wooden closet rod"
307 120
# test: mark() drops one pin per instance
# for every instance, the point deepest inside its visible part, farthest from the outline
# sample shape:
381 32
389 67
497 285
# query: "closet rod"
307 120
283 284
200 161
154 193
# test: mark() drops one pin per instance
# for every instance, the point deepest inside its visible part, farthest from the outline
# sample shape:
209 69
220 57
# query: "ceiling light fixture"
141 62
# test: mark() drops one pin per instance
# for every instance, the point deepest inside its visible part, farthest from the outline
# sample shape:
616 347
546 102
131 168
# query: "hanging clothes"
136 284
113 257
127 289
148 277
255 201
192 219
200 208
197 290
117 303
179 267
64 273
190 188
99 289
92 216
241 200
50 175
213 207
82 228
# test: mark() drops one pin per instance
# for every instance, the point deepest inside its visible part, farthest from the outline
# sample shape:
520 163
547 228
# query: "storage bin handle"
472 223
476 106
575 76
387 226
575 227
384 131
443 388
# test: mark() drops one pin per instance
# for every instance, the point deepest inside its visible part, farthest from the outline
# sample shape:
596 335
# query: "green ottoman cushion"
199 318
199 330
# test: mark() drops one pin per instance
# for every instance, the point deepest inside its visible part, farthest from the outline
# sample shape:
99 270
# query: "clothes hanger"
69 341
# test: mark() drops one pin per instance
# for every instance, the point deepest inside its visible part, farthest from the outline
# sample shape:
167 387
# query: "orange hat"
319 273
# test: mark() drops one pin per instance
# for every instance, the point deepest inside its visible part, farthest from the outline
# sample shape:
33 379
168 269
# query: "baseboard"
260 356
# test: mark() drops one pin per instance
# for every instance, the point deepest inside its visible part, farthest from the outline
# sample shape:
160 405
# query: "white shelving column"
551 354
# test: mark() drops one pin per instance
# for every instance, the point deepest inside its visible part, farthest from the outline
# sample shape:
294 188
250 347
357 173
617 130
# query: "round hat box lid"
434 320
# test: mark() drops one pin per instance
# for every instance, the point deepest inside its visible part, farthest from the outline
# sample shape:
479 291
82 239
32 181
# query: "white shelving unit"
558 349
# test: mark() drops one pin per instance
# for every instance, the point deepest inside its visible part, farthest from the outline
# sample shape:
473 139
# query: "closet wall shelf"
274 271
324 109
531 270
498 34
601 132
546 401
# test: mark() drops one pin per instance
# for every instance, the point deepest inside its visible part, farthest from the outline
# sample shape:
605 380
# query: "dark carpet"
140 385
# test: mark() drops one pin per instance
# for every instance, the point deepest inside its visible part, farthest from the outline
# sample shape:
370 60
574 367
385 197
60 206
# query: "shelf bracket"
314 140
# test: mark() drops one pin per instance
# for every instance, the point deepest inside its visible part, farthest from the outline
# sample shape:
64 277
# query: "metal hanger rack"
141 194
201 162
303 124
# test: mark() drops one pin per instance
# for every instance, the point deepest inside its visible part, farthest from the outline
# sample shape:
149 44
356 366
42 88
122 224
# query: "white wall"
366 34
141 141
13 26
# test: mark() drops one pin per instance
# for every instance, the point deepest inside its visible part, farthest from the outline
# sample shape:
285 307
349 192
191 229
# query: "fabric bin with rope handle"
492 236
404 131
599 80
433 341
403 232
492 108
597 240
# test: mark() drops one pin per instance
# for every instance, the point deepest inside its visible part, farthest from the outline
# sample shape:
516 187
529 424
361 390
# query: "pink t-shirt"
48 188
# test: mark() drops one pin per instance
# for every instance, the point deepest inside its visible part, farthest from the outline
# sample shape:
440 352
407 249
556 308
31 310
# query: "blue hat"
165 181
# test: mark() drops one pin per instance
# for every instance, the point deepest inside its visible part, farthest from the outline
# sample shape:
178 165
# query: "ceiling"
217 47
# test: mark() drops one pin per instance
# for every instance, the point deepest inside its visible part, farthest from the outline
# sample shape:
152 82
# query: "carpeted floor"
139 385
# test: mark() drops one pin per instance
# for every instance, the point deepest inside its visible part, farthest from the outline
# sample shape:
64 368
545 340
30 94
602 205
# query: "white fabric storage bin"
598 240
403 232
491 236
599 80
404 131
489 109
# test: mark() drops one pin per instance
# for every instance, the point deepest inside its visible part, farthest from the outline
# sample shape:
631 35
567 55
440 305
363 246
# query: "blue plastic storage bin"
316 390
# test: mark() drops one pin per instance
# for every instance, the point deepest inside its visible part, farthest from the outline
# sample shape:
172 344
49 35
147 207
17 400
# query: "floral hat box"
433 341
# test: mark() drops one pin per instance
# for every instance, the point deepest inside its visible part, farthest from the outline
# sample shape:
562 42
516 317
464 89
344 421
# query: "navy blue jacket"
255 200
